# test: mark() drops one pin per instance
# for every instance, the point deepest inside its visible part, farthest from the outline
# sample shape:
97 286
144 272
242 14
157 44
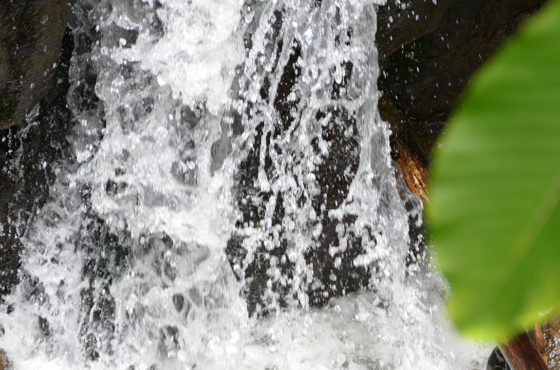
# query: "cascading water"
230 202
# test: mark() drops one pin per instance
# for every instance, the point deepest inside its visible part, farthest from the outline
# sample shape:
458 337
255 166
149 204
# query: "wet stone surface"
31 33
428 54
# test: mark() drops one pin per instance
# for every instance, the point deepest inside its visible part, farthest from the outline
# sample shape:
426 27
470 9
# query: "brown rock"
414 172
5 364
545 339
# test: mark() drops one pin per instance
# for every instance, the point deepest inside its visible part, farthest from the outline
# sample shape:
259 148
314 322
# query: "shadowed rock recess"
35 50
426 64
428 53
31 34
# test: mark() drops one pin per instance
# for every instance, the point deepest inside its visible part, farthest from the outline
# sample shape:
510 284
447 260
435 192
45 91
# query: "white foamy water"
126 267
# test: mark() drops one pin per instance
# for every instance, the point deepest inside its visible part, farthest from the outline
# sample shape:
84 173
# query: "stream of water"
230 202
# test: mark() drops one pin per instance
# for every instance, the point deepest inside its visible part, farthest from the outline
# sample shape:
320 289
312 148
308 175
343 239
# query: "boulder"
425 70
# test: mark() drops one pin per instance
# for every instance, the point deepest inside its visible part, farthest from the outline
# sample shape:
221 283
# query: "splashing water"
231 201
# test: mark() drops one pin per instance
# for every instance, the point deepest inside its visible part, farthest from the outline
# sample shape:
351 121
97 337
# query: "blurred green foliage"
495 188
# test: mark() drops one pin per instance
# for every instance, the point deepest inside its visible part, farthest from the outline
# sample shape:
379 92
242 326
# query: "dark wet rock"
27 152
31 33
496 361
428 52
334 172
37 42
427 64
30 152
401 22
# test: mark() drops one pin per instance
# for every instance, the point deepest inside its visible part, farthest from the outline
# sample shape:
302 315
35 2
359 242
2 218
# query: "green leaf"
495 188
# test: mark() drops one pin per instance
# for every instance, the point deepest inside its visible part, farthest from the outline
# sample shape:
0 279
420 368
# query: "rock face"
428 52
334 176
35 49
31 33
428 63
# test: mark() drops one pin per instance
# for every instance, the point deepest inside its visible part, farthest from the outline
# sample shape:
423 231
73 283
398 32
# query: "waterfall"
230 201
